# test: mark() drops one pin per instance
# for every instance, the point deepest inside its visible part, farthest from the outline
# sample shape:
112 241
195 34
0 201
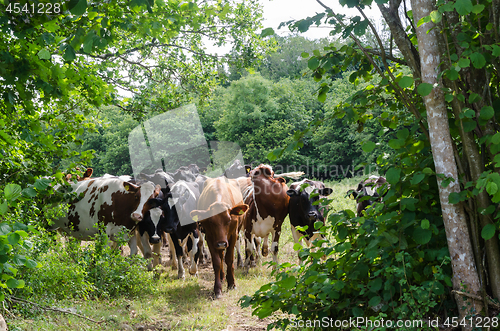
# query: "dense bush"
69 269
390 263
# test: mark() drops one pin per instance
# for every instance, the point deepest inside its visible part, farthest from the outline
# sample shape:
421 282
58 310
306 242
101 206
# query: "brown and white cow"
108 201
368 191
268 201
220 209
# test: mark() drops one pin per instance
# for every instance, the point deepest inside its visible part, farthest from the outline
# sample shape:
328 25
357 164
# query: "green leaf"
469 125
454 198
304 55
78 7
463 7
42 183
405 82
88 42
287 283
425 224
12 192
29 192
473 97
496 138
313 63
3 207
297 247
375 285
43 54
14 283
374 301
417 178
396 143
424 89
14 238
488 231
487 112
422 236
393 175
478 60
69 54
452 74
496 50
463 63
477 9
368 146
436 16
491 188
267 32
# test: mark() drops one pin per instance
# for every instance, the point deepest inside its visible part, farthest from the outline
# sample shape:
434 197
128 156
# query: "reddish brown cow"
220 208
268 201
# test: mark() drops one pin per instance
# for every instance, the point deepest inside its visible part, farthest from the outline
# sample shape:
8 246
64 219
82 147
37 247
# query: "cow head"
185 196
218 221
367 192
304 203
262 170
160 217
142 194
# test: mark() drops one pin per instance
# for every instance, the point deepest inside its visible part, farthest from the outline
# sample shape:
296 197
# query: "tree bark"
465 276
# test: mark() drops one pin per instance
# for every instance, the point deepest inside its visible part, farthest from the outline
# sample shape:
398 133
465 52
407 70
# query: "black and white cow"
369 191
304 208
175 209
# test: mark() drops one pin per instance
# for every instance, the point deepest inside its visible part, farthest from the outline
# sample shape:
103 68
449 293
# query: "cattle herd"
188 209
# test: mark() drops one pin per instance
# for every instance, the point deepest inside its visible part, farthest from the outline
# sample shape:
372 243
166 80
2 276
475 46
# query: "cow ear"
198 215
325 191
130 187
292 192
88 173
352 194
157 190
155 202
239 210
281 180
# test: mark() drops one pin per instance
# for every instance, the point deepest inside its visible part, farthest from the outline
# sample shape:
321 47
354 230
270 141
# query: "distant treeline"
260 110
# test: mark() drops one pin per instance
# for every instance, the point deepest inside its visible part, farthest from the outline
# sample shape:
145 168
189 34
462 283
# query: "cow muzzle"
222 245
154 239
313 216
137 217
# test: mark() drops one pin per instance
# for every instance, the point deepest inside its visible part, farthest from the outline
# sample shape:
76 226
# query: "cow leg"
146 249
265 246
179 254
173 255
274 247
258 241
296 238
239 258
216 264
229 263
250 251
157 254
132 243
193 253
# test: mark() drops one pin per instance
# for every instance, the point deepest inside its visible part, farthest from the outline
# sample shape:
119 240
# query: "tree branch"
52 309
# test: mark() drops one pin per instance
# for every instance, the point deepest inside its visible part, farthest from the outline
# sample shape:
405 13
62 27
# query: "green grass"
174 304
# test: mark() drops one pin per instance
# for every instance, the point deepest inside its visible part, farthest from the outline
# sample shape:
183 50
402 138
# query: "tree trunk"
465 276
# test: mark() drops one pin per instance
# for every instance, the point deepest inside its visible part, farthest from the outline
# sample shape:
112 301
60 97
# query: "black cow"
304 209
369 191
236 170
